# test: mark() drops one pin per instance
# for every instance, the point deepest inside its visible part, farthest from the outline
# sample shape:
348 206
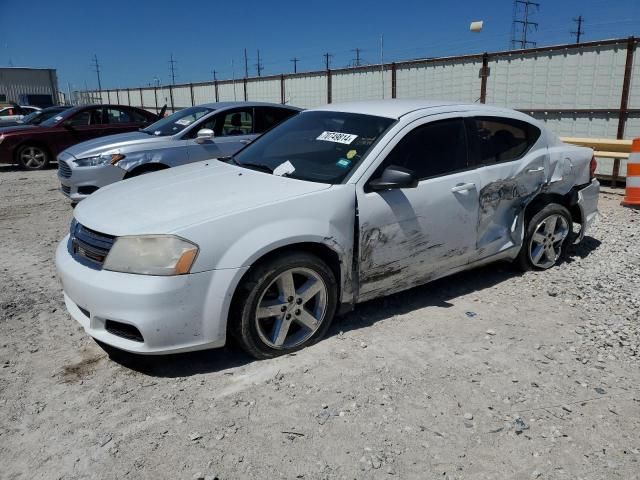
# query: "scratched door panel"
410 236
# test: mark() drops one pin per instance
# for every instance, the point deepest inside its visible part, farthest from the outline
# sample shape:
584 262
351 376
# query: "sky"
134 39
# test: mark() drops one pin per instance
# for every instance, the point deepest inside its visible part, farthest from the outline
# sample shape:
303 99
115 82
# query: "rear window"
501 140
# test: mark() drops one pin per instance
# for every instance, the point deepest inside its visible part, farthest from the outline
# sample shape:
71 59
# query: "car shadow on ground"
18 168
438 293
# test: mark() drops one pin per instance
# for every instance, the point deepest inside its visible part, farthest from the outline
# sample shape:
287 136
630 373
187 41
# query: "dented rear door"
513 166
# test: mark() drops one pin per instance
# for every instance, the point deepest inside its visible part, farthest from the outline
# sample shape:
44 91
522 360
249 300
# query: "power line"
295 61
327 60
259 64
579 31
172 68
96 67
520 26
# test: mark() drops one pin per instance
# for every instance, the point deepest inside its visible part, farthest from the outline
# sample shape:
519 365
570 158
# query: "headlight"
99 160
151 255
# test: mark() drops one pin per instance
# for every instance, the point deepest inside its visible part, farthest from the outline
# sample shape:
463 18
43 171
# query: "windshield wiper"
253 166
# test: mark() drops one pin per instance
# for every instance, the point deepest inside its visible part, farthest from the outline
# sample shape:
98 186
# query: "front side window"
269 117
430 150
117 115
318 146
238 122
7 112
502 139
177 122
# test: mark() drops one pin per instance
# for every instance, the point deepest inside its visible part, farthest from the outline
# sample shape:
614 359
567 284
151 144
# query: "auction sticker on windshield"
337 137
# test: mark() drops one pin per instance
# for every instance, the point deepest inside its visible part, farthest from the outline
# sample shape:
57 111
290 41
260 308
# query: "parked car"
11 113
34 146
333 207
197 133
35 118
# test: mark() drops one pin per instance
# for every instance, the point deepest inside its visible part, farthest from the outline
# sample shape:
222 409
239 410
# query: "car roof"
221 105
396 108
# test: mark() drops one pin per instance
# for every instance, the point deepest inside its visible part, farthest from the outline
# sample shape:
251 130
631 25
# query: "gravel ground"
486 374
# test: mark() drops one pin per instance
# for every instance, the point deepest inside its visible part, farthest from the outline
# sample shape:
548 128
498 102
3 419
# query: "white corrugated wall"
264 90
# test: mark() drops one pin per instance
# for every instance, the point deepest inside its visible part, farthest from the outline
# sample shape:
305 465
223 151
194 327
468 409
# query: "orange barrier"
632 193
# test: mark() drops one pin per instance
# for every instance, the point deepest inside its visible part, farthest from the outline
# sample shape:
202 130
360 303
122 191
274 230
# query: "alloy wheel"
546 242
33 158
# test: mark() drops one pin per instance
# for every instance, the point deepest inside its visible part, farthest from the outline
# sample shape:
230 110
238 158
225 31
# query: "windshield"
51 121
315 146
29 118
177 122
36 118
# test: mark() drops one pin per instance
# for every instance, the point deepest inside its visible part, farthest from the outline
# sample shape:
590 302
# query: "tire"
297 293
548 234
32 157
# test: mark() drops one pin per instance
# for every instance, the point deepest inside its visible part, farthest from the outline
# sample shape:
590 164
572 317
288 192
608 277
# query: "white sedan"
336 206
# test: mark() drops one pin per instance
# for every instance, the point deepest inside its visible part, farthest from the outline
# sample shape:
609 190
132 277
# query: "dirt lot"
488 374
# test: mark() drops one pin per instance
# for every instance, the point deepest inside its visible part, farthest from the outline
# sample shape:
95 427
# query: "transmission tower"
295 61
327 60
521 26
356 61
172 69
96 67
579 31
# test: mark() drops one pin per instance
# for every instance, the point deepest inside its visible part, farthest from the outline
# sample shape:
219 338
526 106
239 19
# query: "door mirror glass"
394 177
204 135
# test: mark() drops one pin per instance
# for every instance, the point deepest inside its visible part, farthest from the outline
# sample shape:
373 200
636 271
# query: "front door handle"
535 170
463 187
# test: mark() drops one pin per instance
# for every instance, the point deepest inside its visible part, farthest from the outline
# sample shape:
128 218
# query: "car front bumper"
172 313
76 186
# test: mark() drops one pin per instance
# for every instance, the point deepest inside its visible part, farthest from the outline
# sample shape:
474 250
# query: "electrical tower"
259 65
327 60
356 61
96 67
295 61
172 69
521 26
579 31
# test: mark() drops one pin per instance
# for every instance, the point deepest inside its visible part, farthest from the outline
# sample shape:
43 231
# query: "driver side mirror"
204 135
394 177
68 124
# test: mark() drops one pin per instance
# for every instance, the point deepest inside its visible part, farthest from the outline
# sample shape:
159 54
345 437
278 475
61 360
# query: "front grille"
89 244
123 330
64 170
65 189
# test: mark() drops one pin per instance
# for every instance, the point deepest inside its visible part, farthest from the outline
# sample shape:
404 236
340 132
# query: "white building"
29 86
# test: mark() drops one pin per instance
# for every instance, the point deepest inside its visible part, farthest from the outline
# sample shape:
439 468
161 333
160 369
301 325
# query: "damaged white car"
336 206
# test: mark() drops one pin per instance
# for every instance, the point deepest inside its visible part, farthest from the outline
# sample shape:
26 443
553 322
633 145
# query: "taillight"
592 168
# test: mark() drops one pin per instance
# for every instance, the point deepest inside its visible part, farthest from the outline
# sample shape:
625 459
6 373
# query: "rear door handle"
535 170
463 187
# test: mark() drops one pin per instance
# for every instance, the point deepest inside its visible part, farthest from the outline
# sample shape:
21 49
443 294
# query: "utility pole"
521 25
96 67
327 60
246 64
172 68
295 61
356 61
259 65
215 76
579 32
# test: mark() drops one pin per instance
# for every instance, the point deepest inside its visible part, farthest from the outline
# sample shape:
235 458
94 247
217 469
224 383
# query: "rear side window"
268 117
136 116
502 139
430 150
118 115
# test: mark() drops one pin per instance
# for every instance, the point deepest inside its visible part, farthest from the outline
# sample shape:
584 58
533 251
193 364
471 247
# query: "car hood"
171 200
119 142
16 128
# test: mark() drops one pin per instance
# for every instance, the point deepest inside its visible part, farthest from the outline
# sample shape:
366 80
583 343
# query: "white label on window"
337 137
184 121
285 168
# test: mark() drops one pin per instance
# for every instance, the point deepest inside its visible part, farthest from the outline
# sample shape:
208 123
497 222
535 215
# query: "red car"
33 147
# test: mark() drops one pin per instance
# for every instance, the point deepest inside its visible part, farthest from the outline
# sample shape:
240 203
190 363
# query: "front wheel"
31 157
547 236
284 304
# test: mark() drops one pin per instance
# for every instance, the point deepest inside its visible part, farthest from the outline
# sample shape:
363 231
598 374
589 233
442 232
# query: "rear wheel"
283 305
31 157
547 236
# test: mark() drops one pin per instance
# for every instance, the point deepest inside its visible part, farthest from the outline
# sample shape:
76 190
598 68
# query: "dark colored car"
34 146
35 118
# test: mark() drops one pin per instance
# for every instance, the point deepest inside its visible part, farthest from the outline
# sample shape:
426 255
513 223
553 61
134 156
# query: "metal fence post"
108 96
215 88
624 104
141 99
191 88
282 96
118 96
484 73
129 96
394 80
244 84
155 94
173 107
328 85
